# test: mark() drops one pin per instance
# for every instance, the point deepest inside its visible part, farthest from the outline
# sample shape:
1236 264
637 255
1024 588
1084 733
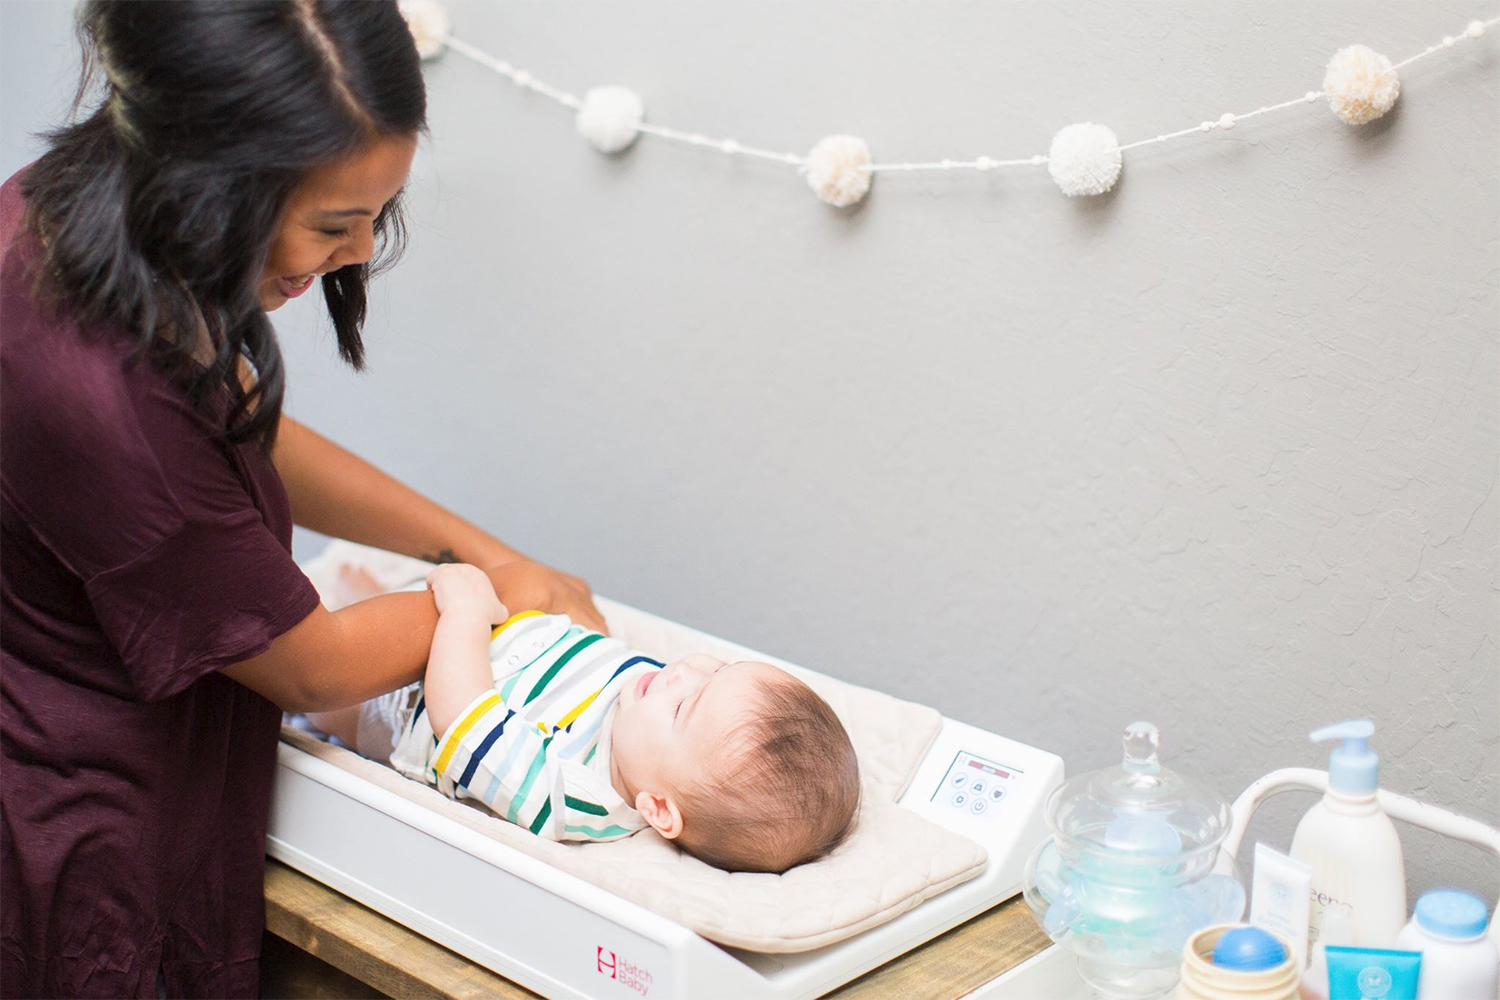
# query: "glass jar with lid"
1129 871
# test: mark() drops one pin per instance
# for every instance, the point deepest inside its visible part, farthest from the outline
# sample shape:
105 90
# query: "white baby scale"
561 936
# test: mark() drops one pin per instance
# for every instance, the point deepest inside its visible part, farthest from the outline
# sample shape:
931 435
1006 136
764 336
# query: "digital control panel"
976 786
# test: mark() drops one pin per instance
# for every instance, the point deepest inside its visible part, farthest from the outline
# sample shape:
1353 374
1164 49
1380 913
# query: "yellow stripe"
578 710
461 727
511 621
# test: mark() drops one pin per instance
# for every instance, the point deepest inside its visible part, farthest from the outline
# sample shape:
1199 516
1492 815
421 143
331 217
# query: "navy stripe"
421 704
632 662
482 749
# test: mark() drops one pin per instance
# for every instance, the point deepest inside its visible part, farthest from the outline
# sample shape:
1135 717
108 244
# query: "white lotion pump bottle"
1351 844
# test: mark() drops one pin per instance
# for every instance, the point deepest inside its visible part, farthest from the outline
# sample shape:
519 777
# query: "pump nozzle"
1353 768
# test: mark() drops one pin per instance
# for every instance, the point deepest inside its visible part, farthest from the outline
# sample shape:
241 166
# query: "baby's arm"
458 669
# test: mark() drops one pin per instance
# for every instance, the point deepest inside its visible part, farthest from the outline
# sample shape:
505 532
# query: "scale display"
976 786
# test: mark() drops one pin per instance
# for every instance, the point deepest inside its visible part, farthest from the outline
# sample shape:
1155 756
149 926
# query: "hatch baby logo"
627 974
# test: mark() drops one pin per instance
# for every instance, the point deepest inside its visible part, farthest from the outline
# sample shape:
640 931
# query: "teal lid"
1353 768
1452 913
1248 949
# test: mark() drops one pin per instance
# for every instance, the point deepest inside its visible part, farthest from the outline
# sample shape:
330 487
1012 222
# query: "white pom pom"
1084 159
1361 84
610 118
429 24
1475 29
833 170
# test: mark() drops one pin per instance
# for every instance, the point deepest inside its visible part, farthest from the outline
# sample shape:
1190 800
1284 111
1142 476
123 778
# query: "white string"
522 78
1447 43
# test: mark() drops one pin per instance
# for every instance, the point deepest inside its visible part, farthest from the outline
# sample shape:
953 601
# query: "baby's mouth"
644 683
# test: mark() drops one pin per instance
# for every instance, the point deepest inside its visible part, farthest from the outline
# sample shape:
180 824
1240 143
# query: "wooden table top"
370 949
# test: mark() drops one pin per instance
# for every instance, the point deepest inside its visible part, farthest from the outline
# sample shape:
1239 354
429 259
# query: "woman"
155 625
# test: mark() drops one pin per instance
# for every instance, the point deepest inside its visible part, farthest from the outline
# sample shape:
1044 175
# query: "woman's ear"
661 812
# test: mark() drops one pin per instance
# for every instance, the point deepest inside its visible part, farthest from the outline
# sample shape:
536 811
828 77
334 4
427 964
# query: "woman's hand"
524 585
460 589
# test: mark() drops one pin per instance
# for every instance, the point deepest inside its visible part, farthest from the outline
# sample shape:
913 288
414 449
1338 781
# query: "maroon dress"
138 555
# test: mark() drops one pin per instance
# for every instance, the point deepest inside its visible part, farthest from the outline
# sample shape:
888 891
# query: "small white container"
1337 929
1458 960
1279 899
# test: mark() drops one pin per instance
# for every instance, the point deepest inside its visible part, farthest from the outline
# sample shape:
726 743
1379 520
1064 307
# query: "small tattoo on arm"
445 556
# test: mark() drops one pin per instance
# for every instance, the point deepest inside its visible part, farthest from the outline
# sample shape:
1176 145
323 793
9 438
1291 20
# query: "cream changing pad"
892 861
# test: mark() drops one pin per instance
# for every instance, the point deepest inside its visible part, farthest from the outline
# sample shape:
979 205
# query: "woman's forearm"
337 493
331 659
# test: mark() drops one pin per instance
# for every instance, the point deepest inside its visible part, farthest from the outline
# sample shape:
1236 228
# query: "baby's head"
741 763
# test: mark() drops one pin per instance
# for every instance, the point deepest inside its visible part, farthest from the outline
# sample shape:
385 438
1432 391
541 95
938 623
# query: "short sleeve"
171 531
493 755
207 596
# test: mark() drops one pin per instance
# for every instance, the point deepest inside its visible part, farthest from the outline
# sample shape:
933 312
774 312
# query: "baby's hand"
462 589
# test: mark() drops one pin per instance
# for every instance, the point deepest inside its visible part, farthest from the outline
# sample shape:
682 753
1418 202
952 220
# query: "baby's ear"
661 812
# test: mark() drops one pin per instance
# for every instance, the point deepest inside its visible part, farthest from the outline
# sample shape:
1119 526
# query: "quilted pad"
893 860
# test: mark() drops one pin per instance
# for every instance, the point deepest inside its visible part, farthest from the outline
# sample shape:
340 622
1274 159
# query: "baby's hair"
790 790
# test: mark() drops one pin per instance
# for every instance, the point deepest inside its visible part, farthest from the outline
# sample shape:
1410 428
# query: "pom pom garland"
838 170
1361 84
428 23
610 118
1084 159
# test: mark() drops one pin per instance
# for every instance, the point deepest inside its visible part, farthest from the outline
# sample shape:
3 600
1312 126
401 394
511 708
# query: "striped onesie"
535 749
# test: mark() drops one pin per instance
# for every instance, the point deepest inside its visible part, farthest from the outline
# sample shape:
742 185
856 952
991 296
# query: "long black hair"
161 205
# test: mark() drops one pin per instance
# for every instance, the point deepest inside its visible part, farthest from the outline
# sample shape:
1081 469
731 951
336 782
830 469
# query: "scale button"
997 793
960 799
978 787
959 779
979 806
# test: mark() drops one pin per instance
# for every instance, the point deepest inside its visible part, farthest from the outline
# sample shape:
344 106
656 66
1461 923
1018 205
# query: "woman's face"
329 220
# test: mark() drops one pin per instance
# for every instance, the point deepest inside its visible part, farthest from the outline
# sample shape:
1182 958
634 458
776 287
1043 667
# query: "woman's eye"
677 711
335 233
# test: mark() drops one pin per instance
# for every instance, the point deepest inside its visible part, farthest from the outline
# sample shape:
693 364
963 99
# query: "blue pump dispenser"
1353 768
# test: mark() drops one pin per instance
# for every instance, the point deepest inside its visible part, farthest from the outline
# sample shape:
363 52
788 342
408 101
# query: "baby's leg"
372 728
341 722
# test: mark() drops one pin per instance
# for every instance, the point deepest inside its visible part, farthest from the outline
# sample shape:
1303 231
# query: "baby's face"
668 725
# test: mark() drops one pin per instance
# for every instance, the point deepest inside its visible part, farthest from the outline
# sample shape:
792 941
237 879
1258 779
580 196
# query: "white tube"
1279 898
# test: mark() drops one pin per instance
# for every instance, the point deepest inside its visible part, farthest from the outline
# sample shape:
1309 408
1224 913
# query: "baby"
572 735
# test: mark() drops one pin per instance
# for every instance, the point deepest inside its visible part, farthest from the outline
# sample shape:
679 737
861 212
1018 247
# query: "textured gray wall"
1218 450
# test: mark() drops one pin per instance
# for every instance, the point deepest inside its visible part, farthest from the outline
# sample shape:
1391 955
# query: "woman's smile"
293 287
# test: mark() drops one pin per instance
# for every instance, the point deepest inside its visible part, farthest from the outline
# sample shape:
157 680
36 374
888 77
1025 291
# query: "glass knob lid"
1139 807
1142 742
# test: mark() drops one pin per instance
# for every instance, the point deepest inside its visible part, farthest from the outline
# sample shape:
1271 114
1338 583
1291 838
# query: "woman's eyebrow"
330 213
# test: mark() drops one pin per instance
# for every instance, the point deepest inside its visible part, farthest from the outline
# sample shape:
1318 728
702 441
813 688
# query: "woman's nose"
358 250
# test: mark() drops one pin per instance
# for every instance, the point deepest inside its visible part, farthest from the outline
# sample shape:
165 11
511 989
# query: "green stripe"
608 831
562 660
505 691
591 808
510 684
541 816
590 755
536 768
